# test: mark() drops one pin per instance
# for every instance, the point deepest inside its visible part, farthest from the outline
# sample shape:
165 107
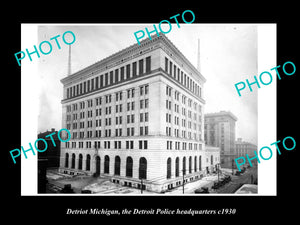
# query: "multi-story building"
135 116
219 131
53 150
242 148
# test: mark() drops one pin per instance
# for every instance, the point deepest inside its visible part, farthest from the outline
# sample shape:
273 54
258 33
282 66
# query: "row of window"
117 165
112 77
129 144
144 117
175 72
144 104
183 146
183 122
184 99
184 134
183 166
143 144
194 165
143 90
143 131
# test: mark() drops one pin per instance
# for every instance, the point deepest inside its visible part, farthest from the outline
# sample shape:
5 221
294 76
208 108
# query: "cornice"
129 53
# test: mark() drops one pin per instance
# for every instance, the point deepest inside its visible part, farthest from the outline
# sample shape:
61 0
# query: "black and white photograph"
156 117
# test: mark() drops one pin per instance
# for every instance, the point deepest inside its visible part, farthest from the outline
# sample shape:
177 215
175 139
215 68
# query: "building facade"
53 150
242 148
219 131
136 117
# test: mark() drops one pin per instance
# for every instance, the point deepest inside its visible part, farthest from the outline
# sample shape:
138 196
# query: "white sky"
228 55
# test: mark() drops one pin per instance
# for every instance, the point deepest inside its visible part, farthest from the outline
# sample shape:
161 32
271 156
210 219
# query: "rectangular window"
145 144
88 85
171 64
134 69
141 130
141 66
141 117
128 118
175 71
111 77
106 79
128 106
148 64
166 64
116 75
181 78
128 71
101 82
128 131
97 83
140 144
141 90
146 89
128 93
122 73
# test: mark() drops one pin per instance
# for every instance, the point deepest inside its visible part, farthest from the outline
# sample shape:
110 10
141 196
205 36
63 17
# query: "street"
238 181
104 186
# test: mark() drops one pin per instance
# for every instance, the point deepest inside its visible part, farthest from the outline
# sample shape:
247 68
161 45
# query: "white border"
267 126
29 110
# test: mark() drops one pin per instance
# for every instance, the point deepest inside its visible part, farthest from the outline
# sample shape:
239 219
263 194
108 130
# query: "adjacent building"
242 148
137 118
219 131
52 155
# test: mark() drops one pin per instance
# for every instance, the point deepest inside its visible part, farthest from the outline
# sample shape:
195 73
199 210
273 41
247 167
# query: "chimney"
198 56
69 61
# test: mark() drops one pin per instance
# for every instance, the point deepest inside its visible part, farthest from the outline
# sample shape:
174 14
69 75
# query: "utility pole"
232 166
198 56
218 170
69 61
183 171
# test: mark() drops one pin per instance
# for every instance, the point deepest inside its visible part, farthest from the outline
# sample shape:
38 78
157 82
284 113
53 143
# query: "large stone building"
219 131
135 116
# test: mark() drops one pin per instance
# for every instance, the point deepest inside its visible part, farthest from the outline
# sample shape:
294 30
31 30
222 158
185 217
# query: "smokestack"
198 56
69 61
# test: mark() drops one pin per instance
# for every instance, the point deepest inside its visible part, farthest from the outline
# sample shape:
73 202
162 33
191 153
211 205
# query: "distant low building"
242 148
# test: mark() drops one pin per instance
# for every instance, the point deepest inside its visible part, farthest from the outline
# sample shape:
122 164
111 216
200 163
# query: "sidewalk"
189 188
